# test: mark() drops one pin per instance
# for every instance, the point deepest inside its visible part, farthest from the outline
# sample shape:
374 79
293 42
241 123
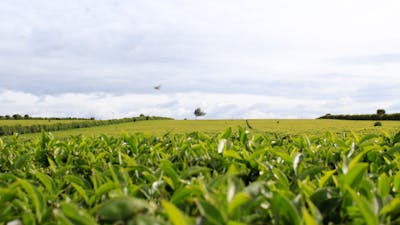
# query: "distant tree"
7 117
380 112
198 112
26 116
17 116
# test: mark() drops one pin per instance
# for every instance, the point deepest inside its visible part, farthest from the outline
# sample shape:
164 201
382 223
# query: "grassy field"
282 126
33 122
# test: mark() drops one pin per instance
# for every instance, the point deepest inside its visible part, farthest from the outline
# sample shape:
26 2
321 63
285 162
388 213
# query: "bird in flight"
158 87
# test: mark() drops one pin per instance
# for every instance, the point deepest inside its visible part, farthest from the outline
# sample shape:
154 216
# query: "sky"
232 58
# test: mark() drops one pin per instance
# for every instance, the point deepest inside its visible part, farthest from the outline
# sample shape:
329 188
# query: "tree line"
28 117
379 115
35 128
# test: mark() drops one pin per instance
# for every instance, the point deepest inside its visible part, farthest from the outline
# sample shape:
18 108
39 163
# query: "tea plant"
230 178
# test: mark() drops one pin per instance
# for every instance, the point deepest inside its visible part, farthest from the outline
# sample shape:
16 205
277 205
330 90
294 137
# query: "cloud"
311 50
371 59
181 105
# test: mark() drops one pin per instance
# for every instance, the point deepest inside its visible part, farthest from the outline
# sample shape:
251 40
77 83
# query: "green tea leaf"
286 157
355 174
327 200
81 192
47 181
396 182
37 198
383 185
21 161
212 213
226 134
104 188
296 161
359 156
284 210
235 223
393 207
238 200
325 177
76 180
195 170
122 208
311 172
183 194
168 169
174 214
232 154
365 208
75 215
281 178
396 138
315 212
308 219
28 218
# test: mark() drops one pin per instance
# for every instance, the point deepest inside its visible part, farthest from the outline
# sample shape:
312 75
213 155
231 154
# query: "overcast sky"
232 58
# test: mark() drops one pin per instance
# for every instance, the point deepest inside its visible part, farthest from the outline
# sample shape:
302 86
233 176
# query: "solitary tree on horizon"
380 112
198 112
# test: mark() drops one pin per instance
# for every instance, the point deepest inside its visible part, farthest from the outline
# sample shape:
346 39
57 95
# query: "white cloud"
180 105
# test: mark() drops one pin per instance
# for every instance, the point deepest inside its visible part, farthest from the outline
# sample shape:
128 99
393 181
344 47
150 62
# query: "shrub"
377 124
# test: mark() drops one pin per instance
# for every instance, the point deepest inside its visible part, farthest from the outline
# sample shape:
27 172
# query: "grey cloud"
221 47
61 53
394 108
109 47
370 59
378 91
170 104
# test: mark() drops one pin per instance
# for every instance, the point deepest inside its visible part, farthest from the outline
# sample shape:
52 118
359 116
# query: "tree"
380 112
198 112
17 116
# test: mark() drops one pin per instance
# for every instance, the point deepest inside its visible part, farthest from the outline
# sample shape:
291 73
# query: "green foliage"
122 209
235 177
199 112
212 127
17 117
175 215
380 115
380 111
38 126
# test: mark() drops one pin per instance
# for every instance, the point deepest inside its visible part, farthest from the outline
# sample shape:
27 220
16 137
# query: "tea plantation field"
36 122
281 126
234 176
